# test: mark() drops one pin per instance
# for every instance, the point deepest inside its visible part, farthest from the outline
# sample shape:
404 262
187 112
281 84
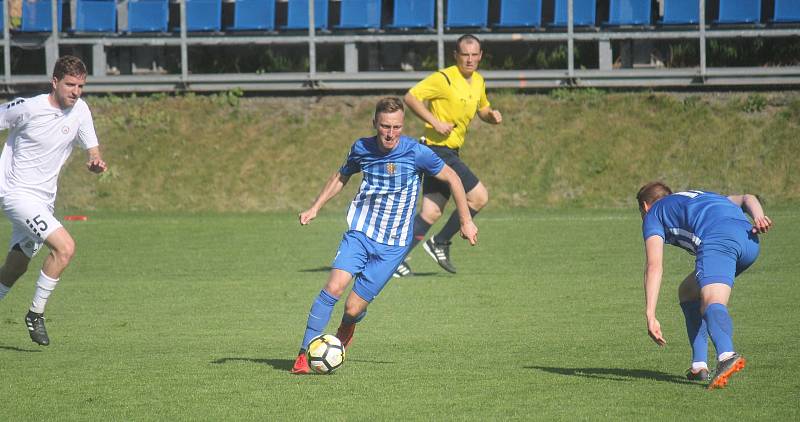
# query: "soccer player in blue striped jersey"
380 219
716 230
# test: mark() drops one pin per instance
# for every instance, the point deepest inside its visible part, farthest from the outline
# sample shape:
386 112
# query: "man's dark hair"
651 193
388 105
467 38
69 65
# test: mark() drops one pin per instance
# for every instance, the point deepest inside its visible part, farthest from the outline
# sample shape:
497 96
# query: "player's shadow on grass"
315 270
17 349
615 374
282 364
326 269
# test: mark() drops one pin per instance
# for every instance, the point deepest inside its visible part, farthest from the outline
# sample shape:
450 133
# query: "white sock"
4 290
44 286
725 356
696 366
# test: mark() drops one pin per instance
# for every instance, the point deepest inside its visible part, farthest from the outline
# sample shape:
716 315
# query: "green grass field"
198 317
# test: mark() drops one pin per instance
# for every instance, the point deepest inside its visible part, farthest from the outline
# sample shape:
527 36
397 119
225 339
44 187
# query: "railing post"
184 48
51 45
570 40
312 43
440 33
702 39
6 45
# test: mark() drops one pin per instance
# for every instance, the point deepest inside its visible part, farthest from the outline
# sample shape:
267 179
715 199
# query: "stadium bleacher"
467 14
413 14
252 15
101 16
628 13
37 16
520 14
104 25
148 15
739 11
297 14
359 14
681 12
583 13
786 11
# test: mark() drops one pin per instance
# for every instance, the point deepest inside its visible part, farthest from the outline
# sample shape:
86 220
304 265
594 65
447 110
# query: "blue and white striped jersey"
383 209
684 218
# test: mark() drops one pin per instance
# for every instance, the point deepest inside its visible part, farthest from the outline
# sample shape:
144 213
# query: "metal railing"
354 80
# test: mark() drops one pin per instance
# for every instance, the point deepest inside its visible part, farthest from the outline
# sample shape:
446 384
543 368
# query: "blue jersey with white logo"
684 218
383 208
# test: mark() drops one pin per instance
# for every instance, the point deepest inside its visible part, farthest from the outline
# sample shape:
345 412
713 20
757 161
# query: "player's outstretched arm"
654 269
95 163
468 229
332 187
752 206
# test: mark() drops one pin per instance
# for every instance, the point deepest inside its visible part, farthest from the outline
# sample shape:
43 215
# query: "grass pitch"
198 317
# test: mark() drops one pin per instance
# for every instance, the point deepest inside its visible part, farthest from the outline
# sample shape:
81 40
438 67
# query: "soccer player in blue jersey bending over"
380 219
715 229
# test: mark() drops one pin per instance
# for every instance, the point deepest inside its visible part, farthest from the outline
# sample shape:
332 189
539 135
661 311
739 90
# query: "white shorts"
33 222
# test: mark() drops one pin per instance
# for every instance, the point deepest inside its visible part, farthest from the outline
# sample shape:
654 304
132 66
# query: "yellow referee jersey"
453 100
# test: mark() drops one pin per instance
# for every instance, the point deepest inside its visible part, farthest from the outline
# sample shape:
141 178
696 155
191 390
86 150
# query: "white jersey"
40 140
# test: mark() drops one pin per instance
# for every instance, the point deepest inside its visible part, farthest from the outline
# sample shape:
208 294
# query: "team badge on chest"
390 168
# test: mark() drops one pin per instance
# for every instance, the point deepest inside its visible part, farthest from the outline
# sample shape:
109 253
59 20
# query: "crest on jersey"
390 168
65 130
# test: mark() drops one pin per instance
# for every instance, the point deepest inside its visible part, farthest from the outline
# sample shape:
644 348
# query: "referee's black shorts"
451 158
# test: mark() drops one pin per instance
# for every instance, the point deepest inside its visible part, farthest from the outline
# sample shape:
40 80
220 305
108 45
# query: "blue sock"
720 326
696 330
318 316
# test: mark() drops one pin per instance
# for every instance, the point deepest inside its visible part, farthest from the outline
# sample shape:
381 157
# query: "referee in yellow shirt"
453 95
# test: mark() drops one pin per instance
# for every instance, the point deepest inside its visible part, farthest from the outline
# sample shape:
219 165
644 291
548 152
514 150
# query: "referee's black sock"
421 228
450 228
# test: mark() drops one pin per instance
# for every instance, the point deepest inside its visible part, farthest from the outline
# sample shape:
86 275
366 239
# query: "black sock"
450 228
421 228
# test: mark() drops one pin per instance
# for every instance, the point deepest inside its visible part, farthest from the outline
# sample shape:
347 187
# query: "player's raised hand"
470 232
654 330
307 215
762 224
96 165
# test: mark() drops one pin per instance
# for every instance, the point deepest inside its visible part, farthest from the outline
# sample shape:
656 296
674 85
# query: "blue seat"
584 13
148 15
37 16
628 12
681 12
251 15
360 14
96 16
739 11
467 13
297 14
410 14
786 11
203 15
520 13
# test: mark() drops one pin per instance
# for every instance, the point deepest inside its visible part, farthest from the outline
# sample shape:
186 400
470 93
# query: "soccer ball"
325 354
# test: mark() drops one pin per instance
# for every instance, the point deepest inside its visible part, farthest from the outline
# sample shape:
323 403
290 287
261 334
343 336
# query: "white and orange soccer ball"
325 354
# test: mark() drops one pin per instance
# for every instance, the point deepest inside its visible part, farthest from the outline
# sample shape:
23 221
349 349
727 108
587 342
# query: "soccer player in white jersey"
380 219
42 133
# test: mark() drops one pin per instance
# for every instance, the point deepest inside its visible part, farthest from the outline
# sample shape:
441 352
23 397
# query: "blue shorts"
370 262
726 252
